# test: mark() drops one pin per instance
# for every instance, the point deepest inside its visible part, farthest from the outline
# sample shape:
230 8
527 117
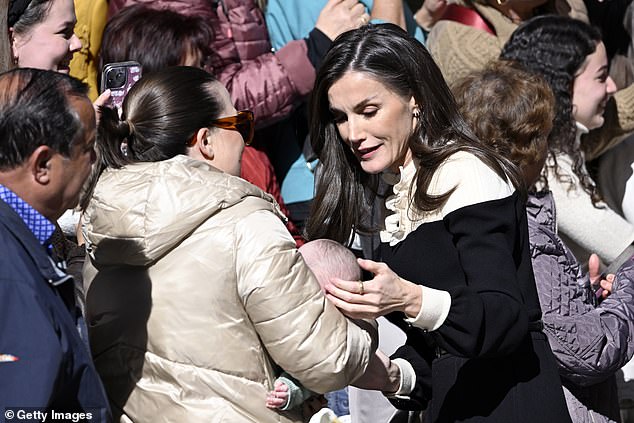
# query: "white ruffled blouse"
398 222
472 180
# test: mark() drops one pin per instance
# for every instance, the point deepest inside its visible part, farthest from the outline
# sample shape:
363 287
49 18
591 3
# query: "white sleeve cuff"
434 309
407 379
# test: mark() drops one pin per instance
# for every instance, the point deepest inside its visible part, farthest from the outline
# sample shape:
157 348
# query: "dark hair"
508 107
34 111
154 38
22 16
390 56
160 115
556 47
36 12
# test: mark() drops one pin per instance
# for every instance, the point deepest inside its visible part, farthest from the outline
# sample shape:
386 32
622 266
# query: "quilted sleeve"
590 343
302 331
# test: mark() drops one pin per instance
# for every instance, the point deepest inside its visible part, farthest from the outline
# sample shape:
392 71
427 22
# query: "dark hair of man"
35 13
510 108
34 111
161 114
154 38
387 54
556 47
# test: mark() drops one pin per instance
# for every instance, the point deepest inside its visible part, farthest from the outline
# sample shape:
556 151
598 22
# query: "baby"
327 258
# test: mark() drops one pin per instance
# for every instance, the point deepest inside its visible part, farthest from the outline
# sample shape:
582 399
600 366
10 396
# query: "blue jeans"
338 401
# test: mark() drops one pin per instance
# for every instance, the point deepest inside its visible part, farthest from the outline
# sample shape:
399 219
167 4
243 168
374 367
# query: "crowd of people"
357 211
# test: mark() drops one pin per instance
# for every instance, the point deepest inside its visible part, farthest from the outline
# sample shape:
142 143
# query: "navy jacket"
53 370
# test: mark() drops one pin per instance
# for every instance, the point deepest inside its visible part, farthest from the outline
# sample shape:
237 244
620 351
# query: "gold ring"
361 290
364 19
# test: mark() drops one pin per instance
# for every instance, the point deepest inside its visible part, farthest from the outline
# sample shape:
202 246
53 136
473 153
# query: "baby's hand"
278 397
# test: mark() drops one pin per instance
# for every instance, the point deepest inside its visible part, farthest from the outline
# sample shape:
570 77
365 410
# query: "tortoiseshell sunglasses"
242 122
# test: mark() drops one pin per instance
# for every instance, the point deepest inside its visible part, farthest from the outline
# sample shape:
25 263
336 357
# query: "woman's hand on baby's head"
384 293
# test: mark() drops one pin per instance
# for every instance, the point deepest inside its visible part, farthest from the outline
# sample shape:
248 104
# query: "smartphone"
119 77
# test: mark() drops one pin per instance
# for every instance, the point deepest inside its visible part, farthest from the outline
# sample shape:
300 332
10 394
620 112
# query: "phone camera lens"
116 78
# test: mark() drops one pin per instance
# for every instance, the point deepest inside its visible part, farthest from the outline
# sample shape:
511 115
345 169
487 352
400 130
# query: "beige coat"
195 289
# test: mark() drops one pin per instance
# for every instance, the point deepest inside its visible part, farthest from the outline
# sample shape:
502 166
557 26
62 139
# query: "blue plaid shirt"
41 227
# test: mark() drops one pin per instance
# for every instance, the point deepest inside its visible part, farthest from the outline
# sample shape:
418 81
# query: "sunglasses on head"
242 122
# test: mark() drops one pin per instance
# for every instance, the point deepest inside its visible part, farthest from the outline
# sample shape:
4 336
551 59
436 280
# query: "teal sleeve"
410 23
297 394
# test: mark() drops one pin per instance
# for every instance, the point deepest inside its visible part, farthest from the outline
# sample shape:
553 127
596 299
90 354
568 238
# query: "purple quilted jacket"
590 340
267 83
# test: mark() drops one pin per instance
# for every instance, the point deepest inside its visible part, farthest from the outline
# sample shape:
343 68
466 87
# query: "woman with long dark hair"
457 275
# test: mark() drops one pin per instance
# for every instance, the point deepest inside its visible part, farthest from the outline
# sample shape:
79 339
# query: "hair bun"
125 128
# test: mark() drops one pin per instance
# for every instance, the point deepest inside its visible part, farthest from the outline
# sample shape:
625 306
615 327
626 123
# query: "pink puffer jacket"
267 83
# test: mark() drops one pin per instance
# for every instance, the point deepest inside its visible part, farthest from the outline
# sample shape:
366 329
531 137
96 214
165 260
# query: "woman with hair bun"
195 290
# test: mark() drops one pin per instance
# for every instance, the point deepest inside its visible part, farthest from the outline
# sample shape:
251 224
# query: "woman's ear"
203 143
14 49
415 112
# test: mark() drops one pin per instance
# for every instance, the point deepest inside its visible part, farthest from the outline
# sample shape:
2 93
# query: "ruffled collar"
399 221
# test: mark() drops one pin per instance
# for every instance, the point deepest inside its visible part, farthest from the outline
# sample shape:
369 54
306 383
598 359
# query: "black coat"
489 360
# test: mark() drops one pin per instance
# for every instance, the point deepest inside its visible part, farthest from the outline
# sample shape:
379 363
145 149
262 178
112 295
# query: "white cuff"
407 379
434 309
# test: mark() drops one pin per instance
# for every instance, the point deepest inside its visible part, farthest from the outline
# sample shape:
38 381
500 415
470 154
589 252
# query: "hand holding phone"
119 78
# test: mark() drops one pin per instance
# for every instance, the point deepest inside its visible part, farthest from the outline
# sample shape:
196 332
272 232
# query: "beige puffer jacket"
195 289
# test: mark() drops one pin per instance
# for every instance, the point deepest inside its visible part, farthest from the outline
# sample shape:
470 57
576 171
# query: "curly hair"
511 109
556 48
